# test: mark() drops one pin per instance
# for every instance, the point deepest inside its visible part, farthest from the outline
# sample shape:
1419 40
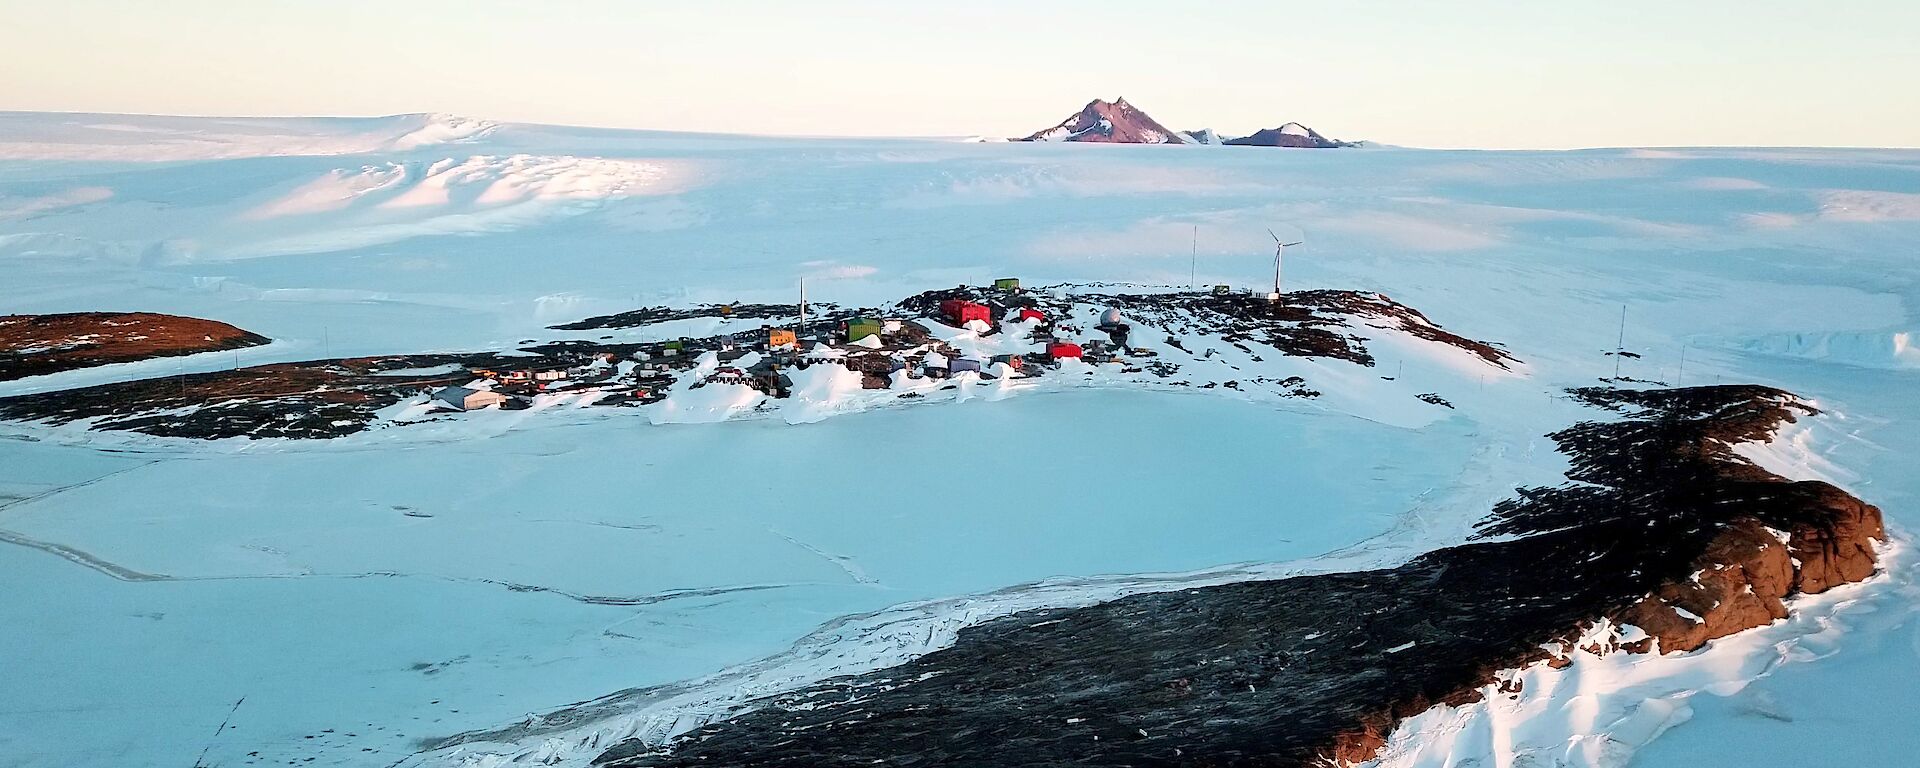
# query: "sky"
1467 73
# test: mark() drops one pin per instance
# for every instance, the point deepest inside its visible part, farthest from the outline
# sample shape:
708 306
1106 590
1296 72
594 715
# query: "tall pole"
803 313
1279 252
1620 346
1193 268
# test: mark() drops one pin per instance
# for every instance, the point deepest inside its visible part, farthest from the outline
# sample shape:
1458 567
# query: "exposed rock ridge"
1303 671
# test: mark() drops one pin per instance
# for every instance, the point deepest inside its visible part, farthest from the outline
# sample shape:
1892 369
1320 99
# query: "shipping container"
960 311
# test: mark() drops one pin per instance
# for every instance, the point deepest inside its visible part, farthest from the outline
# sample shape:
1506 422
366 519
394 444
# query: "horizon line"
960 138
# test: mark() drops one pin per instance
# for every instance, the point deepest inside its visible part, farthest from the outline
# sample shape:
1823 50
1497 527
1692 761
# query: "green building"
1007 283
861 327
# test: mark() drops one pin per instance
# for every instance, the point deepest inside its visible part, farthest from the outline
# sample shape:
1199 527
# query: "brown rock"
1363 742
1742 579
1839 548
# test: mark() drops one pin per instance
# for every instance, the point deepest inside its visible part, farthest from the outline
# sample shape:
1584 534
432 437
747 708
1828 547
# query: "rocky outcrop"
1665 528
314 399
1744 576
36 345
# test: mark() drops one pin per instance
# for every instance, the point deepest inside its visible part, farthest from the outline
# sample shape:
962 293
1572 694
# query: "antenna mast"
803 314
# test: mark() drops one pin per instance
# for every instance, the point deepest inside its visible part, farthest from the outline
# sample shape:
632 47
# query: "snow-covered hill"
470 574
154 138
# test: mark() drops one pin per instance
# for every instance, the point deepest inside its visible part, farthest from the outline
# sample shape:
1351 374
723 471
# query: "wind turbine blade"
1292 244
1276 238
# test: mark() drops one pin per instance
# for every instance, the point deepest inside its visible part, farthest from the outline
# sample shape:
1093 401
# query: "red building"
1060 350
1029 313
960 311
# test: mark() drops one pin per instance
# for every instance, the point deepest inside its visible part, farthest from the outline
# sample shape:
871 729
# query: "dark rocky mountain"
1289 135
1117 122
1111 122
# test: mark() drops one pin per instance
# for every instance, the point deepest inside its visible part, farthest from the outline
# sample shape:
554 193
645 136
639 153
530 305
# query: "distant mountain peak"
1113 122
1288 135
1202 136
1118 122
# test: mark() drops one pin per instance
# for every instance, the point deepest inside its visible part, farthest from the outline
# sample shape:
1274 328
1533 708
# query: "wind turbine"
1279 255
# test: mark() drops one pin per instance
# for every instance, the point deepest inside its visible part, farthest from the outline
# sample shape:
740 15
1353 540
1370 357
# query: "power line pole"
1620 345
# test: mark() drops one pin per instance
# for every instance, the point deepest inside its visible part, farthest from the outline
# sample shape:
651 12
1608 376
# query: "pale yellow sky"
1475 73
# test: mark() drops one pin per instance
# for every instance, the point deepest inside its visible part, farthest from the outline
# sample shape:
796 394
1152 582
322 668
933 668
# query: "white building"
466 399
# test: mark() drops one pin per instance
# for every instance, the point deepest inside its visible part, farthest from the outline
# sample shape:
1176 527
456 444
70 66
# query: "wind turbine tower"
1279 258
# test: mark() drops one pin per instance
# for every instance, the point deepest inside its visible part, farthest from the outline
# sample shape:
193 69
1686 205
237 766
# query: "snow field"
530 560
